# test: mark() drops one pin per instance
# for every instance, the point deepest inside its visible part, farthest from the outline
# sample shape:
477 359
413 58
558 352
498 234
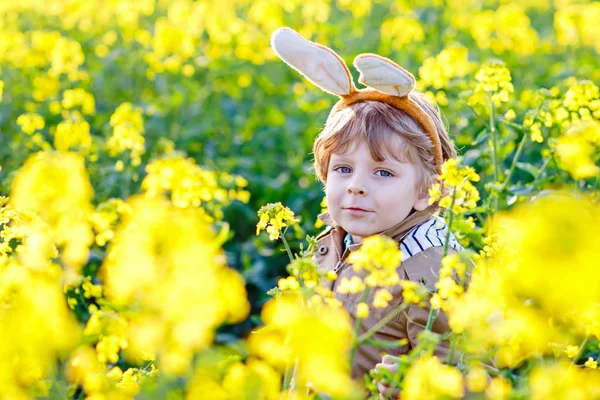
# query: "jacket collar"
396 232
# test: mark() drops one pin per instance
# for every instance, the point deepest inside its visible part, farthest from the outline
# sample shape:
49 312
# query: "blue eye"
343 169
385 173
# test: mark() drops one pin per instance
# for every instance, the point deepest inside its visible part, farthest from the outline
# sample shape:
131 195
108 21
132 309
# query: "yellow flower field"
139 138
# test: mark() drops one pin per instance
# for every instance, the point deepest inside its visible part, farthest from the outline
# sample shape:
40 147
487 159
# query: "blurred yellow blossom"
562 381
30 123
73 135
379 256
577 149
128 128
161 242
381 298
450 63
56 186
591 363
428 378
79 98
317 337
362 310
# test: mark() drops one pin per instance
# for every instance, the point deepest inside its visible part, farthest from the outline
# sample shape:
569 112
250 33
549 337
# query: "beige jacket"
422 267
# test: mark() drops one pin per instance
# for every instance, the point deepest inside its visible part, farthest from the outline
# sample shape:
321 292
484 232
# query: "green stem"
287 247
494 151
432 311
358 324
514 162
430 318
580 352
451 353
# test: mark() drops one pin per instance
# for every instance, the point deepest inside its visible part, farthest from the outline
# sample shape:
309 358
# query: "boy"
380 151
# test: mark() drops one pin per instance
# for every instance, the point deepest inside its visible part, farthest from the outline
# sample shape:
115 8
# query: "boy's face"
366 197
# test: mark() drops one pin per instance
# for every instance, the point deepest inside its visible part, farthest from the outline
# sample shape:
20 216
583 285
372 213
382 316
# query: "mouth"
356 209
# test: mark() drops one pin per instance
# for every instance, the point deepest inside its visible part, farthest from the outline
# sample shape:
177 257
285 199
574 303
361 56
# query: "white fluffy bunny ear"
319 64
384 75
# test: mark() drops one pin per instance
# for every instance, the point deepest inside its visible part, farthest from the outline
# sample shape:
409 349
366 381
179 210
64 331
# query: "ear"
384 75
319 64
422 202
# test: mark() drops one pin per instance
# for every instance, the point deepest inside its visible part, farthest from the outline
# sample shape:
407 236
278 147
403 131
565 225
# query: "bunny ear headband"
387 82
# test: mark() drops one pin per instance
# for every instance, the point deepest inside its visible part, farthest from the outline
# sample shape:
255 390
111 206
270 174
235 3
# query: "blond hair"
379 124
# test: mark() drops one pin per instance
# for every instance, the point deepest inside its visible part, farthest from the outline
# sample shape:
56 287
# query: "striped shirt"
430 233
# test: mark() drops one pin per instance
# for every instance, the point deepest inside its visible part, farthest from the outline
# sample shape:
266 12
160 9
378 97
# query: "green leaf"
532 169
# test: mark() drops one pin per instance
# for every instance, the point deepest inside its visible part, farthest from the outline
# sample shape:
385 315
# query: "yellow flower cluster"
402 30
561 380
188 185
162 243
79 98
448 289
31 123
428 378
273 217
452 62
379 256
73 135
253 378
514 300
37 328
577 149
315 338
105 219
576 24
508 28
493 83
56 186
128 129
457 180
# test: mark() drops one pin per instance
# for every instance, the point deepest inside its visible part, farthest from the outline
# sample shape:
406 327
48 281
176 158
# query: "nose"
356 188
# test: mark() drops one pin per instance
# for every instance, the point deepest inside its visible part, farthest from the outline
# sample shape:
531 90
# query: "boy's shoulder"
326 232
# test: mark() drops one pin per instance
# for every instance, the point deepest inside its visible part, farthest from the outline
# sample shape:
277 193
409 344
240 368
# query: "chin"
354 231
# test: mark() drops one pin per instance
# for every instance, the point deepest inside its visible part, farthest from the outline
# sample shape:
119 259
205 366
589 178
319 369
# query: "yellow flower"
572 351
79 98
331 276
412 292
316 338
353 285
73 135
160 242
498 389
428 378
56 186
591 363
510 115
186 183
382 298
494 80
577 148
562 381
273 218
289 283
379 256
128 128
451 62
477 379
30 123
362 310
457 180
